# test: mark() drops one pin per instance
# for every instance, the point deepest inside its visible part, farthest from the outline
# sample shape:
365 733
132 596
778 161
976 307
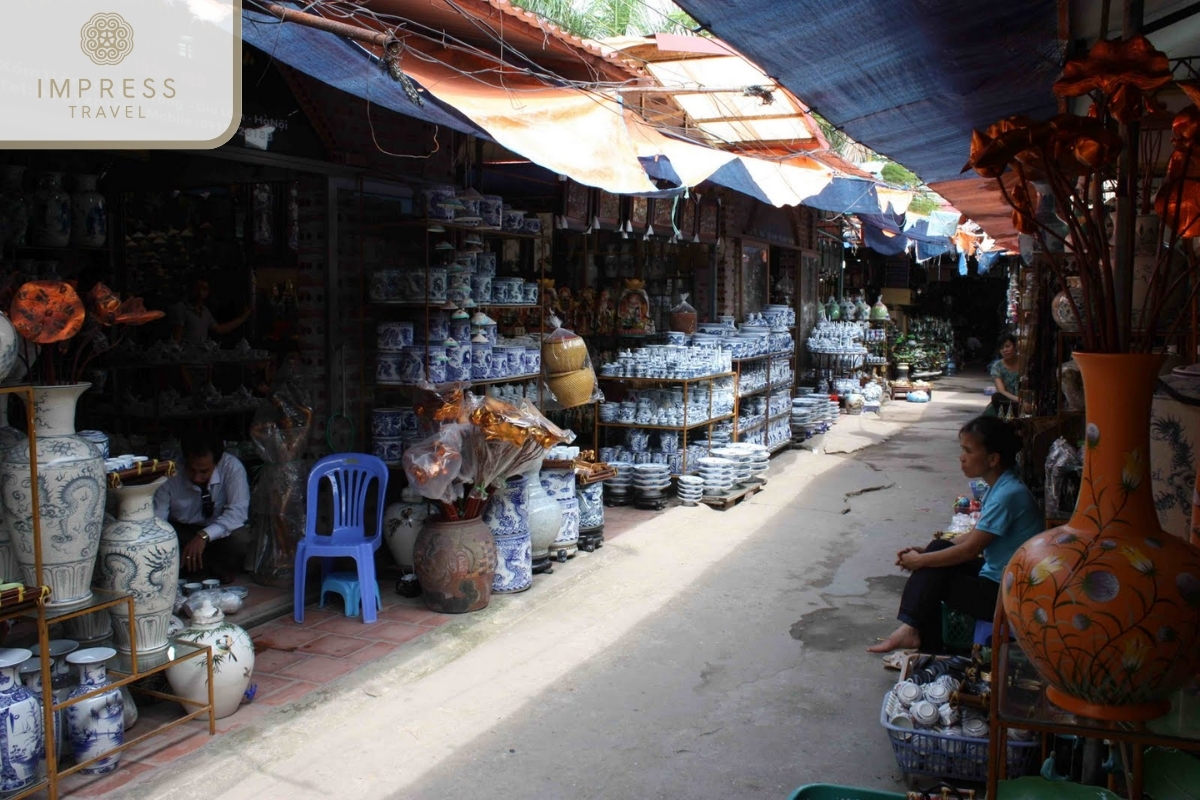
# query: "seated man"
208 504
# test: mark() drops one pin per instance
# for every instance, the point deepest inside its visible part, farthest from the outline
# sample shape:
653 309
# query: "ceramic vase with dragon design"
507 514
1107 607
70 494
139 556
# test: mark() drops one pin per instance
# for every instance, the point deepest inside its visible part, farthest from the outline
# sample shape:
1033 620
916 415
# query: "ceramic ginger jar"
233 661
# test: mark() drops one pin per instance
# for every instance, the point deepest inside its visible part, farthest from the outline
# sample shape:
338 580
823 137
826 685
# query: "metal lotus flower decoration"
51 314
1072 158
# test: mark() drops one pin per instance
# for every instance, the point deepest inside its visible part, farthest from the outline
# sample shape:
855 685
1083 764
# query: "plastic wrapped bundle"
280 433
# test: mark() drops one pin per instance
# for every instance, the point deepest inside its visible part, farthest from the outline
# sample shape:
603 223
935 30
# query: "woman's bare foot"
906 637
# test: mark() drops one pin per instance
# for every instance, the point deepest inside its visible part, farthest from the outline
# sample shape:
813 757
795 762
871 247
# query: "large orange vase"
1107 607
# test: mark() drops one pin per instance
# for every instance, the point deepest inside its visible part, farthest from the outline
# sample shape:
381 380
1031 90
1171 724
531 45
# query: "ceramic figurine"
233 661
95 725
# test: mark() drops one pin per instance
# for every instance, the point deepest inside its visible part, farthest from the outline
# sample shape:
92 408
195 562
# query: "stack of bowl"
650 481
717 473
616 488
690 489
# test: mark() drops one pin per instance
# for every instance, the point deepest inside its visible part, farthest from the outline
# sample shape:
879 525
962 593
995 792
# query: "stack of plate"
690 489
760 461
717 473
740 459
617 487
650 481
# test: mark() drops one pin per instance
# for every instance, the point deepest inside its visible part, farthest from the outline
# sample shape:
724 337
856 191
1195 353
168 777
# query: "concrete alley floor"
703 654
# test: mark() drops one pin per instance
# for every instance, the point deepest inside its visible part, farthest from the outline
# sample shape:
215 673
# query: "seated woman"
965 574
1005 377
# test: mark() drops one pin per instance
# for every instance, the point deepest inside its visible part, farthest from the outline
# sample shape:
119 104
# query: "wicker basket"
573 388
563 356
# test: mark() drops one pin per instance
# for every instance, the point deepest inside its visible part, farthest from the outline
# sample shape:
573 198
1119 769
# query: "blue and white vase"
508 517
89 213
591 506
51 221
95 725
70 493
560 484
139 556
22 745
9 437
31 679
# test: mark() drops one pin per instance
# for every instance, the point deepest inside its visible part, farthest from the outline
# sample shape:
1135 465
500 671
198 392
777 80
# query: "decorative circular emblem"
106 39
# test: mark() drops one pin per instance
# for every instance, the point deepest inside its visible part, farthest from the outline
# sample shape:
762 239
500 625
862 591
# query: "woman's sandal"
896 659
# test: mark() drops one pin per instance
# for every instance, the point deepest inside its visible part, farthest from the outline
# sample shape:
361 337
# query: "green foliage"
923 204
599 19
897 175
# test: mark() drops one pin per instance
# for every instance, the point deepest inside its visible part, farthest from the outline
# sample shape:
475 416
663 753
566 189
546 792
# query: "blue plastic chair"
350 476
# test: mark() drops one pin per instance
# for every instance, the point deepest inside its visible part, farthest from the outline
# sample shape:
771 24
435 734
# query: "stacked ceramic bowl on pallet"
752 461
617 488
651 481
690 489
719 474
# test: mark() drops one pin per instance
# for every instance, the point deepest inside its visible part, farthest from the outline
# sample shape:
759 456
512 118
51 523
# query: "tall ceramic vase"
139 556
507 514
51 219
455 563
545 516
70 496
1107 607
95 725
21 741
9 437
89 213
560 484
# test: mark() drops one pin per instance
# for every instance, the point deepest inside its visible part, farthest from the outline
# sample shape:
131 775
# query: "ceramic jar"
560 485
95 725
22 744
402 522
139 556
71 482
51 218
545 515
89 213
507 514
14 206
455 563
233 661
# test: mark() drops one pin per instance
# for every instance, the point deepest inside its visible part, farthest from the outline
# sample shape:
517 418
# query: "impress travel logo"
132 74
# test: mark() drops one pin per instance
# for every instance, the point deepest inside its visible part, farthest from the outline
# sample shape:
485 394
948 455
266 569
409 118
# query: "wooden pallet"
725 502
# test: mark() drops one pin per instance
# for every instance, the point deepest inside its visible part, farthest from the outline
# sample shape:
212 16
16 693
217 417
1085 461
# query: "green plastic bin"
827 791
958 629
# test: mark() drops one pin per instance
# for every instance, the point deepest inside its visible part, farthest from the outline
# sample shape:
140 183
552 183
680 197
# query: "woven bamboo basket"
563 356
573 388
